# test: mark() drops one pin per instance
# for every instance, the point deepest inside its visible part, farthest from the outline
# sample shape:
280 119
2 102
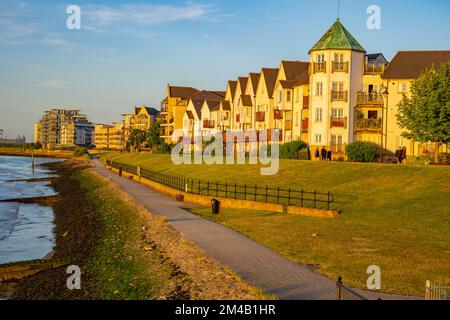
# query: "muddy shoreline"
77 229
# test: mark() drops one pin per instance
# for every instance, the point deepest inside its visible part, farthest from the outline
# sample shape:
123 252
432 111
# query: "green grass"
121 267
394 216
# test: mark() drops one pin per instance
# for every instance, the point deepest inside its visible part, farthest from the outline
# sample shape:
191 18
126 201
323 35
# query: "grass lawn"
394 216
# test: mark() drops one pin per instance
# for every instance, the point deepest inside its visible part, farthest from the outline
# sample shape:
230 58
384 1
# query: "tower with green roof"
336 68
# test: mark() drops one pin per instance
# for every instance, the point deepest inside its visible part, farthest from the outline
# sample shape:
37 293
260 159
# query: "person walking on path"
317 154
404 155
323 153
398 154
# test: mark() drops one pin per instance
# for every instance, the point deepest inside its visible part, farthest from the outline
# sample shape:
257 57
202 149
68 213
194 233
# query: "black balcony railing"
364 124
339 67
319 67
369 98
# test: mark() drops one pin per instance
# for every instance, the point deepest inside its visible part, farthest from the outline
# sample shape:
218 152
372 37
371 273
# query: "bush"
165 148
363 151
289 150
80 151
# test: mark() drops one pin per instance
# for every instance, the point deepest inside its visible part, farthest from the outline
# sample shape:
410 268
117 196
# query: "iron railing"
345 293
251 192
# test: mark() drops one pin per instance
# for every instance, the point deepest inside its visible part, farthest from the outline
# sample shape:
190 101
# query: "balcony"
277 115
319 67
369 98
305 102
338 122
260 116
305 125
339 96
370 125
339 67
374 68
208 124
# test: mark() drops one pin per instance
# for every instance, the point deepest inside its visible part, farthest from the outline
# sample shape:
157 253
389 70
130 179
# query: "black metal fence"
252 192
345 293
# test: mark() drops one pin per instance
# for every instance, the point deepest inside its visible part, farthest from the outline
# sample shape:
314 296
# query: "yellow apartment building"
341 95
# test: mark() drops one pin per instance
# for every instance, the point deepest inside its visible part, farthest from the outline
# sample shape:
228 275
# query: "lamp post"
385 94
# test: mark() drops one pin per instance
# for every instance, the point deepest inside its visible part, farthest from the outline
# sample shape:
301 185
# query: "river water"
26 230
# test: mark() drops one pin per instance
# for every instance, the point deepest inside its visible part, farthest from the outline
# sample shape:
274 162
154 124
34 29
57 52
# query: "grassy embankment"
27 152
394 216
135 256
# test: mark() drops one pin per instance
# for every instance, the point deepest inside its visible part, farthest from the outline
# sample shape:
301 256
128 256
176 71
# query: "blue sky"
126 52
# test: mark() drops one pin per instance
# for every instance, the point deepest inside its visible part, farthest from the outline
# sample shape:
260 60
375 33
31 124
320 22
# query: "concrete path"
253 262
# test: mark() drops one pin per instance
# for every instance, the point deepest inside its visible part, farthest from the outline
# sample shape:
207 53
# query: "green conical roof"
337 37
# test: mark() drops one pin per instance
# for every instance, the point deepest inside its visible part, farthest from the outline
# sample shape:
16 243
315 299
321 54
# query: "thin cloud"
49 84
56 40
146 14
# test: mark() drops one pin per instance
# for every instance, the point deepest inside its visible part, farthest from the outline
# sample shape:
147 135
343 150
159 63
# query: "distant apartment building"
5 140
63 128
115 136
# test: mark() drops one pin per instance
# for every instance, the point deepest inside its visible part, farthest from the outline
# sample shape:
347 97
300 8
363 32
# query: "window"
401 87
320 58
319 88
280 96
318 138
288 96
337 86
338 57
296 95
318 115
296 119
337 113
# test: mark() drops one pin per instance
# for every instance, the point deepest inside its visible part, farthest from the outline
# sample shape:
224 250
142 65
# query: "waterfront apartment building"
63 128
115 136
340 95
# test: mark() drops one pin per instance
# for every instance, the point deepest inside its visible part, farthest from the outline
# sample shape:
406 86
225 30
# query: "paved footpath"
253 262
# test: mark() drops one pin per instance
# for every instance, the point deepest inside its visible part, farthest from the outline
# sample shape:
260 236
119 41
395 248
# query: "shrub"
363 151
165 148
289 150
80 151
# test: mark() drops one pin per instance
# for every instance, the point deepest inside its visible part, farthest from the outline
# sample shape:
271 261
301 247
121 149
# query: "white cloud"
49 84
56 40
145 14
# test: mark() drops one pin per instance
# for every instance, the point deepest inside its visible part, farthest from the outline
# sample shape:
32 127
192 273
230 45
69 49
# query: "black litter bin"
215 206
120 171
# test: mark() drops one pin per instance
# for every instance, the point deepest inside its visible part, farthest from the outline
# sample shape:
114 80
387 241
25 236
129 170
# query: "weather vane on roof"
338 9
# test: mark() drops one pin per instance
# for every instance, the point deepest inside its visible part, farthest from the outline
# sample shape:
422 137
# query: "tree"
426 114
153 135
136 139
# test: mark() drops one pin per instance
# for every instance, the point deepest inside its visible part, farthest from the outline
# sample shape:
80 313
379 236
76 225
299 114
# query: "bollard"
216 209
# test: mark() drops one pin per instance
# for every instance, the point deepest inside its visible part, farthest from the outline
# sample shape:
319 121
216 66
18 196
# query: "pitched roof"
190 114
376 56
233 85
270 76
219 93
410 64
254 79
243 83
200 97
246 100
337 37
293 68
302 78
213 105
286 84
182 92
152 111
225 105
198 103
